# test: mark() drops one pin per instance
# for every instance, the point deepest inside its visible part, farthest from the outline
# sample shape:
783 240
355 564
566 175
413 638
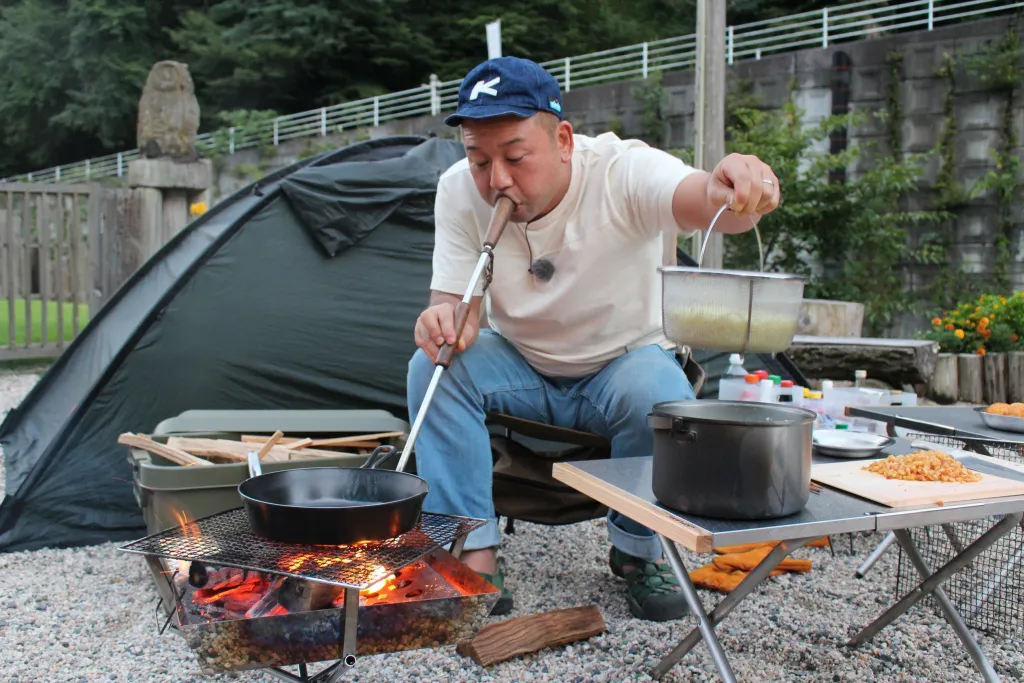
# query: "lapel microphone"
542 268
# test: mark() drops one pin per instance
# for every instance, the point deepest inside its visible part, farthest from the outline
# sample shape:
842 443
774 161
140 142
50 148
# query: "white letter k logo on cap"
487 88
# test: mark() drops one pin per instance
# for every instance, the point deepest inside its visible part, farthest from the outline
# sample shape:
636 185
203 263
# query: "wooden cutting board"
851 477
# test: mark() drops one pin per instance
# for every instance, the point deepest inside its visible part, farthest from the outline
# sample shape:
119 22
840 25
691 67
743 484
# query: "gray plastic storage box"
169 493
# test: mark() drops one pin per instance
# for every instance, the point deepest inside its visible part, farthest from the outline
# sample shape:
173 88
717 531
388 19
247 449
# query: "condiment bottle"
749 392
786 391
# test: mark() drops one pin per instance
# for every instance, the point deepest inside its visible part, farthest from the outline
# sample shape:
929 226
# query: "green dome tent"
298 292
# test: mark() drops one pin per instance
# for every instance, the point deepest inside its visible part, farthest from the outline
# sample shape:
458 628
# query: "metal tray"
1006 423
842 444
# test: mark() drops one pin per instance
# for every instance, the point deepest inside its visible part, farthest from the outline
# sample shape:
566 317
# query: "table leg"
875 554
722 609
706 627
930 584
1008 568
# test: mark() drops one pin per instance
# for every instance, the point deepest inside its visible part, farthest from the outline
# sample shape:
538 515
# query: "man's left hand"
746 183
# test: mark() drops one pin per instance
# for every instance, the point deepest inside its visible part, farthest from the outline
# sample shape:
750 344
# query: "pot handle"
675 425
379 455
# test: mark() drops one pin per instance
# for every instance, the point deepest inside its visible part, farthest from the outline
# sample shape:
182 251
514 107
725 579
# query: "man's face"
526 160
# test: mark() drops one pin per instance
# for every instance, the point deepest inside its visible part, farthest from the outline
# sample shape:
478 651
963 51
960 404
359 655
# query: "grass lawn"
37 321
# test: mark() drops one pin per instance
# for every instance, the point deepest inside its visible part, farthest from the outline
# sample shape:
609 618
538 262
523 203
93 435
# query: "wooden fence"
48 261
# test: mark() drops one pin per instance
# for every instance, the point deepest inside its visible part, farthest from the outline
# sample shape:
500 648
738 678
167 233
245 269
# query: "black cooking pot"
731 459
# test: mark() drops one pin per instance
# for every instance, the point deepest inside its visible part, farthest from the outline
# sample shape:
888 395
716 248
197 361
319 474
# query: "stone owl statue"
168 113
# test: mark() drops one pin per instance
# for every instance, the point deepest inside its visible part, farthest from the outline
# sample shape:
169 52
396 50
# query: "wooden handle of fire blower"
499 219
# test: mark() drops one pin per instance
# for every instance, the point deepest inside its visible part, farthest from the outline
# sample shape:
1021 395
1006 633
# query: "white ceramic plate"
839 443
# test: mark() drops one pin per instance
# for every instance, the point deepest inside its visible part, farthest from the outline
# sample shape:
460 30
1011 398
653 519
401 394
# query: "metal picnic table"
624 485
939 420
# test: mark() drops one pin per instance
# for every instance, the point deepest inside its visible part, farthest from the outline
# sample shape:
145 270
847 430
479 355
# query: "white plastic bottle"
730 387
736 366
766 391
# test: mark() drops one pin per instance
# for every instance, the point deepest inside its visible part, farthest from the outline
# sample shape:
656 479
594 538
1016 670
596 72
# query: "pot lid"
744 413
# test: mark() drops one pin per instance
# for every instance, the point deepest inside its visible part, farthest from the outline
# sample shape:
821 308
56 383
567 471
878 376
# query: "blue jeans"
453 452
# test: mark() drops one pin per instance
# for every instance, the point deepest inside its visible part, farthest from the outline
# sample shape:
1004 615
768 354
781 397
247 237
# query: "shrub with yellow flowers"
992 323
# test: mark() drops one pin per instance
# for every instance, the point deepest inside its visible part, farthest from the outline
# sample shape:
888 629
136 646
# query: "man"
574 308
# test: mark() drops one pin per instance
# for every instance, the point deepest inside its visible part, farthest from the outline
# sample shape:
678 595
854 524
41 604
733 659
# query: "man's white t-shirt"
605 239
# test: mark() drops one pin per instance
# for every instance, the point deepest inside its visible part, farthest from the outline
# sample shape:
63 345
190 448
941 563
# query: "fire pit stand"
306 603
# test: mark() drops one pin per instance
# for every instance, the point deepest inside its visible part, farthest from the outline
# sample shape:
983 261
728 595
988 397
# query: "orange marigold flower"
949 326
936 321
1014 337
981 350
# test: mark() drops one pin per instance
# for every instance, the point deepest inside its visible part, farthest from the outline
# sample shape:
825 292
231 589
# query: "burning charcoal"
268 602
206 596
298 595
201 575
240 603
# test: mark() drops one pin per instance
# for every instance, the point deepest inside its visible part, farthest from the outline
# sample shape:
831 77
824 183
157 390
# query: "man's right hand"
436 325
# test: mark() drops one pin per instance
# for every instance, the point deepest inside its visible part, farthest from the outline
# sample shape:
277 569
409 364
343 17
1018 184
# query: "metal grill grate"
225 539
989 592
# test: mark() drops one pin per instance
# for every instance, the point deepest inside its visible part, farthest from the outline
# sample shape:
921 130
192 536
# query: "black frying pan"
334 505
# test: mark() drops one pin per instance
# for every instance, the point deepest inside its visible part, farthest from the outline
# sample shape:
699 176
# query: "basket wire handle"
707 237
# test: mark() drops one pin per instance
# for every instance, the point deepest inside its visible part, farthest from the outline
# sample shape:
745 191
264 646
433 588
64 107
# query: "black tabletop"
940 420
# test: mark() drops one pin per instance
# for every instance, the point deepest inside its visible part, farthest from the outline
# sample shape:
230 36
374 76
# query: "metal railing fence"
820 28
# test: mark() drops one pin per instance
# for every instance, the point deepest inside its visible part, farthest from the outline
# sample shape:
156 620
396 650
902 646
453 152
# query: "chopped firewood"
259 438
362 440
238 451
173 454
497 642
269 444
206 448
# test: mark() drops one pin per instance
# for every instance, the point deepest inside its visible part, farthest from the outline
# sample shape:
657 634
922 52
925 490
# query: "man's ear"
564 140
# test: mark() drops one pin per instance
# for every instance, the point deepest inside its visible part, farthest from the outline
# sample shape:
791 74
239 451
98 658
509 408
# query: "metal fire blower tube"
499 218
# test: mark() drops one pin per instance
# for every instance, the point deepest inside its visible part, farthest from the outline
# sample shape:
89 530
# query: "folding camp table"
624 485
939 420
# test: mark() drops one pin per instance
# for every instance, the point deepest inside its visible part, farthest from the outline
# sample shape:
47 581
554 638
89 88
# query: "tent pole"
502 211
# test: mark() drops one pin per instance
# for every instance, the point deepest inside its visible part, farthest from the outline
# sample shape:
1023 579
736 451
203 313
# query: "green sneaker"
653 592
504 603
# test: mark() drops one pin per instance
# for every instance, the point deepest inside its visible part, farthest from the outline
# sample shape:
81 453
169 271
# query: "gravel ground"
87 614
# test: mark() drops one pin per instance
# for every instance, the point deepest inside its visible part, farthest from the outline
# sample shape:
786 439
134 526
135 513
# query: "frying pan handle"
379 455
255 469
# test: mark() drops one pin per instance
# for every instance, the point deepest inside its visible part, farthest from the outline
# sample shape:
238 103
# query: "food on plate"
924 466
718 329
1009 409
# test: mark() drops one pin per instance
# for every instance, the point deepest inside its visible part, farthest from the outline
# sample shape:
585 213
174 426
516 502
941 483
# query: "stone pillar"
167 188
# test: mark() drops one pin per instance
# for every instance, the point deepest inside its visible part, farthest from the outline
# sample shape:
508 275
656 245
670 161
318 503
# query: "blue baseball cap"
507 85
